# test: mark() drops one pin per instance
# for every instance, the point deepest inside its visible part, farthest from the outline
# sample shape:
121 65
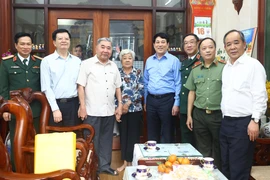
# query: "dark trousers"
129 127
160 122
186 135
236 148
206 128
103 139
69 110
12 129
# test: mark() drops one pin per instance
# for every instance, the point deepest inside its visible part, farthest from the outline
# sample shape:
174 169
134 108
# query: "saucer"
141 177
208 169
157 149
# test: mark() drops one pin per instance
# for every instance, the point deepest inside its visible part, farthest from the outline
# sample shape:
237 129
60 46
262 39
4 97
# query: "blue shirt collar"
164 56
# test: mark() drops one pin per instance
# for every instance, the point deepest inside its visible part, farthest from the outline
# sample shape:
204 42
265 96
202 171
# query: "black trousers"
160 122
69 110
206 128
186 134
236 148
103 139
129 127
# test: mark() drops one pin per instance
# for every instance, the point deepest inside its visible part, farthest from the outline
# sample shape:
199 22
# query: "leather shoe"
110 171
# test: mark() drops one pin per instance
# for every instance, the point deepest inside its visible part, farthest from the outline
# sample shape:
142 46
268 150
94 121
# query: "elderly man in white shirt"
244 101
99 82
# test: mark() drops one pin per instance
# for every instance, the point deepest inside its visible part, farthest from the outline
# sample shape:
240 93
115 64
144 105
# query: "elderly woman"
132 92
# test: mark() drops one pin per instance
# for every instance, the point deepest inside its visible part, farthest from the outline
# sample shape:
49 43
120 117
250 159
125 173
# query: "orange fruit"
161 168
176 163
168 170
185 161
180 159
172 158
168 164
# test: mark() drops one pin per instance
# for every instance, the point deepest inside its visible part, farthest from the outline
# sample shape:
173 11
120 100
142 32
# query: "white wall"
225 18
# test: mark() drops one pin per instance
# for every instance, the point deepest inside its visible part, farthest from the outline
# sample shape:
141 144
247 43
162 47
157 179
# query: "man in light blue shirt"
59 73
162 82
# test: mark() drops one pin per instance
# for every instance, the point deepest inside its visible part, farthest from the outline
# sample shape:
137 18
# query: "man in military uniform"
191 48
20 71
204 114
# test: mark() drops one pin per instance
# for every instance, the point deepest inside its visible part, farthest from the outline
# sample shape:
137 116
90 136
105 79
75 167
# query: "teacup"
208 163
151 145
142 170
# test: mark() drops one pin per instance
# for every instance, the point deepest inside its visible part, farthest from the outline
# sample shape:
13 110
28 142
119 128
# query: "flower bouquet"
8 53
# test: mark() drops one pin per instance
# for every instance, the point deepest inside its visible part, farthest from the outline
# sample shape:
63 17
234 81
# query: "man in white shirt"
99 82
244 100
59 72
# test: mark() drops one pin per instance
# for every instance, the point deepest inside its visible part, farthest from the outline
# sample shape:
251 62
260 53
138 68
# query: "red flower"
8 53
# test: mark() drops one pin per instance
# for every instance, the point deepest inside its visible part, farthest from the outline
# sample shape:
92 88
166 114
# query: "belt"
158 96
207 111
65 100
236 118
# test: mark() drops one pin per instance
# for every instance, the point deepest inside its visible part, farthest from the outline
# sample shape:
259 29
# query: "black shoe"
110 171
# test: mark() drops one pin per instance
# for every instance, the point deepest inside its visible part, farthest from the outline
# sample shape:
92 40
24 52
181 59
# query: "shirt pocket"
199 82
166 71
14 72
35 70
112 77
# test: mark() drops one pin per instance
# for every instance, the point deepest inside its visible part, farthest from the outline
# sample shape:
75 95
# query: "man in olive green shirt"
204 115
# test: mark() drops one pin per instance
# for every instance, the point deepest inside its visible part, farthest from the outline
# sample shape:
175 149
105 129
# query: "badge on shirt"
15 67
36 67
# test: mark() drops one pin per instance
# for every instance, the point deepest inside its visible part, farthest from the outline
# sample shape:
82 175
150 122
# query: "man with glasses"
190 45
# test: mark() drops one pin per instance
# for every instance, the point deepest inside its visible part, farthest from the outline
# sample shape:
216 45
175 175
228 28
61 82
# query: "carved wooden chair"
7 174
261 168
86 158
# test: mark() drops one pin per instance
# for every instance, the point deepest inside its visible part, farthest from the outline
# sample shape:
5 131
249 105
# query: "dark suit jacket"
14 75
185 71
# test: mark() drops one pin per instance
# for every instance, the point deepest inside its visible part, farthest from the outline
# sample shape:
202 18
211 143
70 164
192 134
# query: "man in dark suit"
20 71
190 45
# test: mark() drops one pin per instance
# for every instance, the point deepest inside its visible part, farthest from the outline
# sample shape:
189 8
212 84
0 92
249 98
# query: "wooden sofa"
86 165
5 164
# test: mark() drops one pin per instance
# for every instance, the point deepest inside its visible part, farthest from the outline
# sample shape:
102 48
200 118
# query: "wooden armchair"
86 158
7 174
261 168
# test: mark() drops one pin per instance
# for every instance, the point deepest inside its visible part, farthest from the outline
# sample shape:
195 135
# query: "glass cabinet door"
127 35
81 36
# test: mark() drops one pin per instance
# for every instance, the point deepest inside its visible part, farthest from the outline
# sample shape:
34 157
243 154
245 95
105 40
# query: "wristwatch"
255 120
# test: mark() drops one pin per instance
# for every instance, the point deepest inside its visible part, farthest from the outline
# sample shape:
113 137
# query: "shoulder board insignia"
8 57
222 61
35 56
198 63
198 56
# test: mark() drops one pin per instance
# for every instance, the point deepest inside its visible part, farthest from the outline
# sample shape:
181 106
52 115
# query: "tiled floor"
116 162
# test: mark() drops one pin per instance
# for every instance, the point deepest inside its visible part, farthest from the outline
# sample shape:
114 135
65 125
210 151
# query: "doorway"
132 30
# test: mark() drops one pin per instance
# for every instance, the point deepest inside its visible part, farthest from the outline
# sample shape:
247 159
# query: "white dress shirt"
244 89
100 82
21 58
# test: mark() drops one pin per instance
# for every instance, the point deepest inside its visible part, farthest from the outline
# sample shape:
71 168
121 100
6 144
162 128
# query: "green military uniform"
15 75
186 134
206 115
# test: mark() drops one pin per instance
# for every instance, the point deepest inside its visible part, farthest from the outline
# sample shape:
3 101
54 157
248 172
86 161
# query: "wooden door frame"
103 17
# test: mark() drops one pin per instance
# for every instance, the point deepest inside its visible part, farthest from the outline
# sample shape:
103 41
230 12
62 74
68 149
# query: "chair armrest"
55 175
